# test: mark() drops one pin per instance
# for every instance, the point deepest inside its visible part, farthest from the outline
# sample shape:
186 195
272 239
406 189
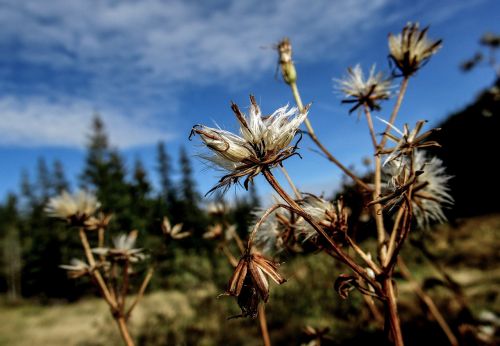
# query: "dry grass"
468 252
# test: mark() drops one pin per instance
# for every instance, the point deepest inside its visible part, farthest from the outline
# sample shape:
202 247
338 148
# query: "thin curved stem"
122 325
392 239
140 293
290 182
395 111
392 315
295 208
263 325
95 273
310 132
427 300
377 208
370 127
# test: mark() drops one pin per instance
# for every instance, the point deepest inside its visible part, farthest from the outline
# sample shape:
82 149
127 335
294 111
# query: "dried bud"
249 282
173 232
123 249
76 269
344 284
100 222
287 67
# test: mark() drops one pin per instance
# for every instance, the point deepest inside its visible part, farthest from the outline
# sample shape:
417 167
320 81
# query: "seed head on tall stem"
263 142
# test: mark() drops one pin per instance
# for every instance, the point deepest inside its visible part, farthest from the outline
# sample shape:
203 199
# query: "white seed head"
430 200
76 268
431 191
123 248
75 265
359 89
267 239
65 206
320 210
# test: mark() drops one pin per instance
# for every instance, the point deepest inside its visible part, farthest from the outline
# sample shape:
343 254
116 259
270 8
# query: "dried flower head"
361 91
316 336
333 218
430 192
76 269
76 208
216 209
213 232
491 40
277 232
249 282
408 140
410 49
123 249
100 221
263 143
268 239
173 232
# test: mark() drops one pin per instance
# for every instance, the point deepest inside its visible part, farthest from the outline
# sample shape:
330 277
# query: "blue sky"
153 68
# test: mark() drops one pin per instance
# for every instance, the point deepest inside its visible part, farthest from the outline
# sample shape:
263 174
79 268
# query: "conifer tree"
188 185
164 168
59 183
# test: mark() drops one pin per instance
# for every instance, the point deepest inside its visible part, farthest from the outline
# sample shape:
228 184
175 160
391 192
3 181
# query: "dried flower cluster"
404 180
111 268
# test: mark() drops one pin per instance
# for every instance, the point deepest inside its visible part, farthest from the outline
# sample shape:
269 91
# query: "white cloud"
37 121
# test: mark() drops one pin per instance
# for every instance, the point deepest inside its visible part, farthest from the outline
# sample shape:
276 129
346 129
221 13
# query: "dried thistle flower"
76 269
173 232
123 249
249 282
284 48
76 208
213 232
100 222
361 91
491 40
430 186
278 232
263 143
216 209
316 336
269 239
410 49
431 191
332 218
408 141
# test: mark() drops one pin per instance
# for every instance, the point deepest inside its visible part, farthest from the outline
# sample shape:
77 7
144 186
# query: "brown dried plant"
112 268
409 190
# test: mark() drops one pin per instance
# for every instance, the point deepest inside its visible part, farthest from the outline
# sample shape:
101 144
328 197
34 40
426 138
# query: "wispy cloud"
177 40
39 122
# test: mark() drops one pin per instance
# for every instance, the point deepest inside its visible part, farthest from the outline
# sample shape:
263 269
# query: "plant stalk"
325 151
263 325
